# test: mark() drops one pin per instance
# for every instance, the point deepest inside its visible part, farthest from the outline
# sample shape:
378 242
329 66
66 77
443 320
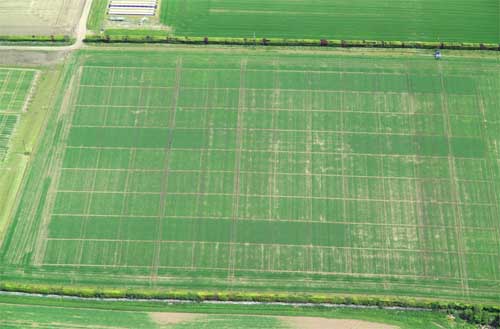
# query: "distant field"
283 171
39 17
418 20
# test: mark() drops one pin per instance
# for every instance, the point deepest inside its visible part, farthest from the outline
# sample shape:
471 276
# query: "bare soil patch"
39 17
173 318
323 323
30 57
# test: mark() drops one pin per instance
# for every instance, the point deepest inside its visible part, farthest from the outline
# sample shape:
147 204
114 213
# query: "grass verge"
124 309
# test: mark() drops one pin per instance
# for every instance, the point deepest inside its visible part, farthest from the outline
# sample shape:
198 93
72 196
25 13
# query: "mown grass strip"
97 14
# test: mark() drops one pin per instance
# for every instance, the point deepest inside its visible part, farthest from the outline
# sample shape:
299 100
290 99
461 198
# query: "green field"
417 20
300 171
36 312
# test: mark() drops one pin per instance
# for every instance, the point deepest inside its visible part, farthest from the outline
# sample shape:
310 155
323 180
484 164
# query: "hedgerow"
471 312
116 38
30 39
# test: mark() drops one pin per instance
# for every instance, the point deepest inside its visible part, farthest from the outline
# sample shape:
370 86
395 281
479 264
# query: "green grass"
97 15
421 20
21 312
271 170
15 85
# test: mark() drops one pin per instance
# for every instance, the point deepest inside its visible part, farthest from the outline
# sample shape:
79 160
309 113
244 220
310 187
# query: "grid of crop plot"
334 171
14 87
14 91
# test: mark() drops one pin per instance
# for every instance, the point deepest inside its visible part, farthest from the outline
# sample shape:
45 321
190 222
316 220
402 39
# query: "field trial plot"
14 91
420 20
39 17
290 172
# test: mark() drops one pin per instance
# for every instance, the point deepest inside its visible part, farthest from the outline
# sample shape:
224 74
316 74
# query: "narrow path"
79 33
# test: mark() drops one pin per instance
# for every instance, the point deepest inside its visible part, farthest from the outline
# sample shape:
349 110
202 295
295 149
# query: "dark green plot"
463 105
392 83
98 252
396 124
105 204
96 76
485 266
150 159
76 180
472 169
367 236
461 85
89 116
475 192
80 158
425 83
67 227
480 240
182 160
261 79
102 227
327 186
61 252
433 168
114 158
124 116
70 203
427 124
362 165
176 254
468 147
432 146
146 181
137 228
478 215
110 180
360 122
92 95
293 120
119 137
466 126
147 204
259 119
364 211
211 255
196 229
296 208
328 81
137 253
